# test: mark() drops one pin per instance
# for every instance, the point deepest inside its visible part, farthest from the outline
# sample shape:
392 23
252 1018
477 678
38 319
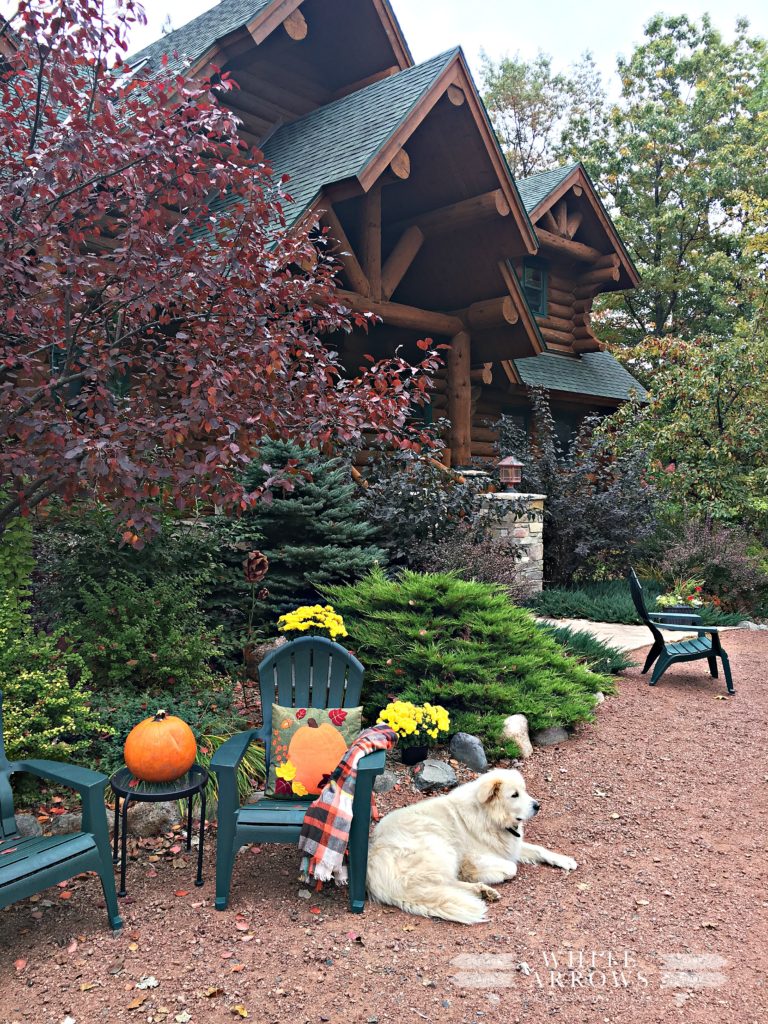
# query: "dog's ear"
490 790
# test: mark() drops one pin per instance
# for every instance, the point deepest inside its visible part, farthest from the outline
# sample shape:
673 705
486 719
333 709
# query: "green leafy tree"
705 427
539 114
685 147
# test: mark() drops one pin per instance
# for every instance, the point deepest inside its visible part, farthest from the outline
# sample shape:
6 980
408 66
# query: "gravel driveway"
664 803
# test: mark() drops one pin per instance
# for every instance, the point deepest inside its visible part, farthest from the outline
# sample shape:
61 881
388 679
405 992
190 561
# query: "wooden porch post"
460 399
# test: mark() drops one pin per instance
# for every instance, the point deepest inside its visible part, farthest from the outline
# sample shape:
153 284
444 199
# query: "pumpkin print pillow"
306 745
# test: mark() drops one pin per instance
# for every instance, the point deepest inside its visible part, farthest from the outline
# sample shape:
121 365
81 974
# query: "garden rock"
516 729
469 750
431 774
550 737
28 825
599 697
146 819
63 823
748 624
385 782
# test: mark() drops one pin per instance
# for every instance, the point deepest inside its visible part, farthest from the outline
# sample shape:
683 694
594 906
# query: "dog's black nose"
536 806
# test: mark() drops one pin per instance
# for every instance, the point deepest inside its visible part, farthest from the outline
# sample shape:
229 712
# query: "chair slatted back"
636 590
7 819
309 672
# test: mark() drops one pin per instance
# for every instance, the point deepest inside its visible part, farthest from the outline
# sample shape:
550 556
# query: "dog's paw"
488 894
559 860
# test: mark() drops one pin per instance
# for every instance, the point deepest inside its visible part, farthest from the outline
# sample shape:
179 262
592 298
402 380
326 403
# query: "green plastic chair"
33 863
706 643
308 672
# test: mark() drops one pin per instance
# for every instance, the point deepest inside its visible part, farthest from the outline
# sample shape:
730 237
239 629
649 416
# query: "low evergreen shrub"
137 634
586 648
461 644
47 710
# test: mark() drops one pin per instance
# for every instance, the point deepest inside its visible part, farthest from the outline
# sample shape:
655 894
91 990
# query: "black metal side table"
127 786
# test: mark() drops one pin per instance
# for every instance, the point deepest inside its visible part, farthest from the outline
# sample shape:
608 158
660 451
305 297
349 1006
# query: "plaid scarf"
325 832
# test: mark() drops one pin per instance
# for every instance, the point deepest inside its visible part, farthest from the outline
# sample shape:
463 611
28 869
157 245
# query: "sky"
562 28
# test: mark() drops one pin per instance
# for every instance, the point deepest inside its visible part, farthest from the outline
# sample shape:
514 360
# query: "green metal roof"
537 187
193 39
593 373
339 140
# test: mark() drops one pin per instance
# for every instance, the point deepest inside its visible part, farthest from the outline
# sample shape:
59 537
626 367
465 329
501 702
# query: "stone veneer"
525 528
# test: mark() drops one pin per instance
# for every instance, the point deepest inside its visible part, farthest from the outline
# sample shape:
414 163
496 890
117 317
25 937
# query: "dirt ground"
663 802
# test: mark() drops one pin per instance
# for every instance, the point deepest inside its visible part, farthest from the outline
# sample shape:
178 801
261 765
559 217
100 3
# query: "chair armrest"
373 762
688 629
230 754
89 784
82 780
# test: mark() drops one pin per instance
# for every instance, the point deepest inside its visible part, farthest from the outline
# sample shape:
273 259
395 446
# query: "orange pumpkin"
315 750
160 749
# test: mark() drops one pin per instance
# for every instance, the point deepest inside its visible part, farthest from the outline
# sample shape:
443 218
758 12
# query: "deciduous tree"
156 319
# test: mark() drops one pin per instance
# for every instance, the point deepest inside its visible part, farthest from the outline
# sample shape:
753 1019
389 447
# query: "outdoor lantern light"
510 472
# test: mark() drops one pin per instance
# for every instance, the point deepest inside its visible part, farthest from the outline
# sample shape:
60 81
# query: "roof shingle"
594 373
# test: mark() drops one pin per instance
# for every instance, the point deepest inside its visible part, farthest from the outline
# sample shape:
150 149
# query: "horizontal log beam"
560 309
466 211
588 345
400 165
482 374
377 76
408 317
296 26
602 276
557 323
487 434
551 335
567 247
483 449
492 313
562 295
609 260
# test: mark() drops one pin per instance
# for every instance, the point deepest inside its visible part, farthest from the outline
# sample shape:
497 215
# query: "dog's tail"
448 902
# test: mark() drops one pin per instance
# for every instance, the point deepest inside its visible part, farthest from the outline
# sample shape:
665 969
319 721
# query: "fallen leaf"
150 981
226 955
213 991
708 924
133 946
72 946
236 968
65 894
86 986
239 1010
242 926
409 927
136 1003
176 848
643 903
314 910
19 964
183 1017
181 892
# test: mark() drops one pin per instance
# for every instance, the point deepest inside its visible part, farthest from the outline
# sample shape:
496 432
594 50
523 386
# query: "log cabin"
400 163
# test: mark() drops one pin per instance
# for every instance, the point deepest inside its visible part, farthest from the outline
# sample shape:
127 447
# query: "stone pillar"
522 527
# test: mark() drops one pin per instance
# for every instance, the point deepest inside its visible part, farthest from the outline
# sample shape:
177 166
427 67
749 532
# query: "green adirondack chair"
308 672
30 864
706 643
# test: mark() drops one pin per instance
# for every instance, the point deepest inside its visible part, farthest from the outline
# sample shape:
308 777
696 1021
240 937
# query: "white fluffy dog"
439 857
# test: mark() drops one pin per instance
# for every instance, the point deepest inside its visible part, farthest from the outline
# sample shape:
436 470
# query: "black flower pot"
413 755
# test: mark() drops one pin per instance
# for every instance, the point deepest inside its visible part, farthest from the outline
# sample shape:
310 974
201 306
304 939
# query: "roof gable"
540 192
536 187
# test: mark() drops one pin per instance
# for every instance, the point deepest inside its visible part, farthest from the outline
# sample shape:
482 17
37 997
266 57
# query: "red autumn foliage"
155 324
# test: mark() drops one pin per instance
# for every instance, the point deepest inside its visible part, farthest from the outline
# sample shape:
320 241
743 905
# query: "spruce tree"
314 535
